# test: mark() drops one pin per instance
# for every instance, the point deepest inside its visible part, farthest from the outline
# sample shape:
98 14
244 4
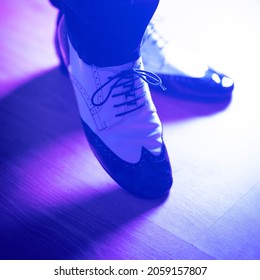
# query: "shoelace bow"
126 79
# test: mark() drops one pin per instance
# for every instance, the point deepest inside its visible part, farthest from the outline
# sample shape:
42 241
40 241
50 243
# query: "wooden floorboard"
237 232
56 202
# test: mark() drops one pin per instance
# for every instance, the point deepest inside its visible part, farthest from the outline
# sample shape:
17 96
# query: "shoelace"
126 79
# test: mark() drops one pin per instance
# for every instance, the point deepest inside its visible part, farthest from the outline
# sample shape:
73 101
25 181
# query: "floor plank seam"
215 222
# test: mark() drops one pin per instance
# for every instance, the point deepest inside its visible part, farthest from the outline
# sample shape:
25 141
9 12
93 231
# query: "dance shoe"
184 74
120 121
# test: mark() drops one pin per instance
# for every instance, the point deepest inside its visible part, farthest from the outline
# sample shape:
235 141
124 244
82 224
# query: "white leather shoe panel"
126 134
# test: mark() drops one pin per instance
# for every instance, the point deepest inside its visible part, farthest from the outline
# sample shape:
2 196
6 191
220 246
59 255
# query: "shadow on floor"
38 113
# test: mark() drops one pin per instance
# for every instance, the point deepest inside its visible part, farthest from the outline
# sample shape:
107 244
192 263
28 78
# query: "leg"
107 33
184 74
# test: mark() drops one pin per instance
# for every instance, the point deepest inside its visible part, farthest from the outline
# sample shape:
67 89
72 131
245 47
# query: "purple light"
61 172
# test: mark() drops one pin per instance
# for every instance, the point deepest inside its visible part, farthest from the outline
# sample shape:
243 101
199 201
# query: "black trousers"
107 32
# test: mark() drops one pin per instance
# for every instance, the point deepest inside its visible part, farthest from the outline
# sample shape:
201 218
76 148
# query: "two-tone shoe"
120 121
183 73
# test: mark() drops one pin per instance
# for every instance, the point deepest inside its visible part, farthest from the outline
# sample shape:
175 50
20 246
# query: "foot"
120 121
183 73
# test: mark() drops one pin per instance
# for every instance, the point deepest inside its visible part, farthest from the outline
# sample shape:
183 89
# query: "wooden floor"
56 202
